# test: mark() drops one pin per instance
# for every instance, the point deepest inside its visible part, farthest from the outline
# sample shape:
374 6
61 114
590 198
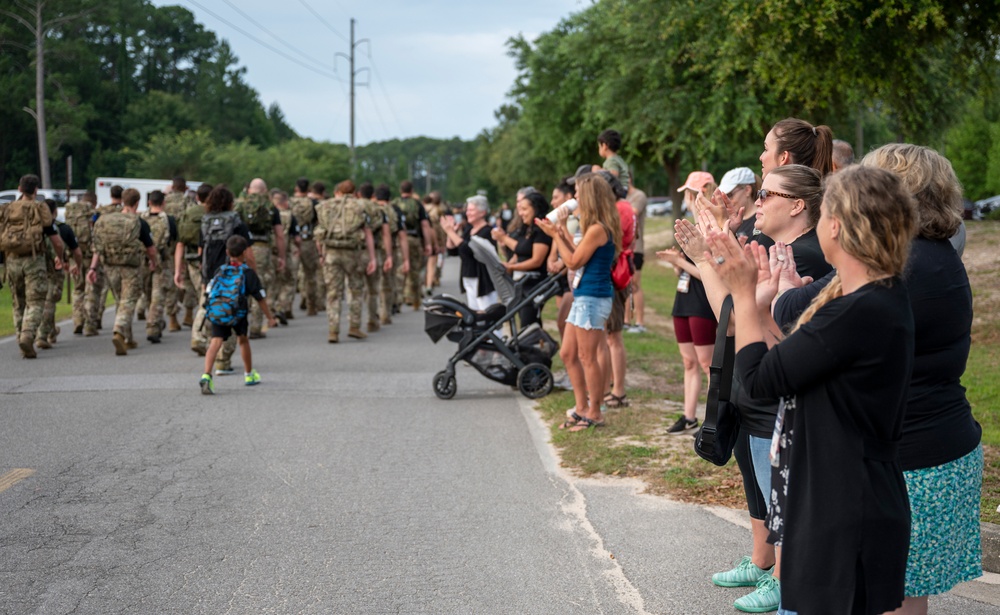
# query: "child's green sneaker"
252 378
207 387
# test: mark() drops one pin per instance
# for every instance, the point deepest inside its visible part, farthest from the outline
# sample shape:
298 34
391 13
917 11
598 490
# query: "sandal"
584 423
614 401
572 419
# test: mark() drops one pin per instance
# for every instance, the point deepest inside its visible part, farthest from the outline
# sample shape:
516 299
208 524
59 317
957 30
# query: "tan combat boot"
356 333
387 320
333 338
373 326
188 317
27 345
174 325
42 343
119 341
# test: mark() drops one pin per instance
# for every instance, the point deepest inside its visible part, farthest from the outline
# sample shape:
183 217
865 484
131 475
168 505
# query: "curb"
991 547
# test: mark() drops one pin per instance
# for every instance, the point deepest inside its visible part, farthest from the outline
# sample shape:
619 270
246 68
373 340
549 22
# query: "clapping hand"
789 277
690 240
735 265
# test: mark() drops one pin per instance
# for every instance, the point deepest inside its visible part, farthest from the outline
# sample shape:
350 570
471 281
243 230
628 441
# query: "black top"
809 259
846 514
171 228
526 245
471 268
750 232
214 255
939 425
145 236
48 231
68 237
694 302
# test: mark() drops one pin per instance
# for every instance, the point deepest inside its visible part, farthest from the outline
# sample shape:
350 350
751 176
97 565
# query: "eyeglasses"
762 195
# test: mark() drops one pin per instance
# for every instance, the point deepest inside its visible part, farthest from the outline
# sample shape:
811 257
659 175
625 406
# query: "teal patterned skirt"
944 529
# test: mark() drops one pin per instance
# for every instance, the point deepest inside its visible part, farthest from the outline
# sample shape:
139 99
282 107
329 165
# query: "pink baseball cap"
696 181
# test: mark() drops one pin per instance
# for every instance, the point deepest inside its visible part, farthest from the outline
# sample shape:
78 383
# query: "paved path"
339 485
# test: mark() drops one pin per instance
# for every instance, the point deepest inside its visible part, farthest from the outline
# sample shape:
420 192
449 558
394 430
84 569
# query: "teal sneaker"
746 574
252 378
207 387
764 599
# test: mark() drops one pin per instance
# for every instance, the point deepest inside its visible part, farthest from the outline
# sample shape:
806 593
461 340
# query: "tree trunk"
43 144
672 165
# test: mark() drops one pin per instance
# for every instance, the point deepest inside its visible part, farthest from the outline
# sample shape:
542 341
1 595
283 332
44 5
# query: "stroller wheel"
535 381
445 385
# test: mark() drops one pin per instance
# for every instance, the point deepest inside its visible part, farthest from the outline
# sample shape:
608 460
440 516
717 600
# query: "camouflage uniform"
189 231
390 298
57 278
309 266
175 204
284 292
116 240
250 209
27 274
86 315
411 283
342 238
157 284
373 282
97 294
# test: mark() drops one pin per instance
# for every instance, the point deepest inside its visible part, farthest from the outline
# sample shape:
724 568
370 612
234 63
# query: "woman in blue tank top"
592 294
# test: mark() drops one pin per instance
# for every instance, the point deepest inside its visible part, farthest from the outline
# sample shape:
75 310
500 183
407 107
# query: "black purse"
717 437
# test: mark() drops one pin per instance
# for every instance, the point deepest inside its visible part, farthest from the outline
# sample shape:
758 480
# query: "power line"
378 113
272 35
325 22
388 100
264 44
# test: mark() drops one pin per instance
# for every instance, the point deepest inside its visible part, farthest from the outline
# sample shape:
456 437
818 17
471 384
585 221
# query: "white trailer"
144 186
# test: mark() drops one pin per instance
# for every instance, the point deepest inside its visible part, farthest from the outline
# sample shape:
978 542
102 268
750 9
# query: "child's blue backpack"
223 305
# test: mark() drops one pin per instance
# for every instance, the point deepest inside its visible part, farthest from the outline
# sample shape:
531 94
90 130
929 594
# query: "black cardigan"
471 268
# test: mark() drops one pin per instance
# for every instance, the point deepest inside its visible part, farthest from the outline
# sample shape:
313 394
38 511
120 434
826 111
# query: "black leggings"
756 503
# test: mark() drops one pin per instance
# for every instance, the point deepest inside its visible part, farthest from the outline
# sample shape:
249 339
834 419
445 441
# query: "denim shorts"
589 312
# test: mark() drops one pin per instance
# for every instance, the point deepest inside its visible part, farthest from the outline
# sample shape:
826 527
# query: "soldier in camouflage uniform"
47 330
120 238
420 242
318 194
264 223
284 293
177 202
157 282
304 209
97 292
380 234
24 225
440 237
397 258
187 257
79 217
342 232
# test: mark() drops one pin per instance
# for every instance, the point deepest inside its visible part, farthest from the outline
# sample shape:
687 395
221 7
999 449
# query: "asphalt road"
340 484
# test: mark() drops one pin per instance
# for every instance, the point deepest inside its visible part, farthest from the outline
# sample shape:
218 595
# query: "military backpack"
343 219
409 210
256 210
304 211
159 228
189 226
78 217
176 203
116 239
21 226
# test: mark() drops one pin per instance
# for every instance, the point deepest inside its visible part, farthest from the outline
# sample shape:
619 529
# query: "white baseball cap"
736 177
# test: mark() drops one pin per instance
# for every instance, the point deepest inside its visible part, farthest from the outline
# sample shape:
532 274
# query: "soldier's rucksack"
305 214
343 219
189 226
255 210
176 203
159 228
21 224
224 304
116 239
78 216
409 215
218 226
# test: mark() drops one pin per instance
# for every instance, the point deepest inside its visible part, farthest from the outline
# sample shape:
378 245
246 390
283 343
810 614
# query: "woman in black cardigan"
841 507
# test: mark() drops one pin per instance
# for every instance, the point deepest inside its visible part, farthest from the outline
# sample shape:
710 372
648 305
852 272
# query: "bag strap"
720 381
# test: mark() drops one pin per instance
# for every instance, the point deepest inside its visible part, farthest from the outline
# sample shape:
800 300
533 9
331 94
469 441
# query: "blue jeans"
760 451
782 611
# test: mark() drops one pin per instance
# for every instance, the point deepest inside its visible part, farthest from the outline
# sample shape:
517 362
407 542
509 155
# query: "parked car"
985 206
659 206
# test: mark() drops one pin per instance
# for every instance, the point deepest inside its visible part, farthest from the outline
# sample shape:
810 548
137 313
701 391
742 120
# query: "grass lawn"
634 442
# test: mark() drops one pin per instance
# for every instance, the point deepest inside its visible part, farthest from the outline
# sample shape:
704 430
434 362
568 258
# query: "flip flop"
614 401
584 423
572 419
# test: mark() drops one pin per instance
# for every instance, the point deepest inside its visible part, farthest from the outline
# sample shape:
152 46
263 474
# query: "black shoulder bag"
717 436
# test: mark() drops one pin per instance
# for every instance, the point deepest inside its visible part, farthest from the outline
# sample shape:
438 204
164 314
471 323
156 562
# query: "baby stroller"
521 357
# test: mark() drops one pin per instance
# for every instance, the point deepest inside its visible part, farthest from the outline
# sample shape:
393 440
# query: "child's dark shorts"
241 328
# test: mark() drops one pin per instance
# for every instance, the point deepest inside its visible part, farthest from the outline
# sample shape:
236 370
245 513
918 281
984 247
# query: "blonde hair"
878 219
597 206
930 178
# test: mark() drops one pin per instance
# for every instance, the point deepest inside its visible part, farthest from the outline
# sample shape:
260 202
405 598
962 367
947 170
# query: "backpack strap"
720 381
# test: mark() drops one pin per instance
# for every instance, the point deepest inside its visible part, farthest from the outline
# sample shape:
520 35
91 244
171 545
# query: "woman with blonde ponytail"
838 499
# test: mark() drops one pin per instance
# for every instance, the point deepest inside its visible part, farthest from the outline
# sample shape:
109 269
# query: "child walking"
226 310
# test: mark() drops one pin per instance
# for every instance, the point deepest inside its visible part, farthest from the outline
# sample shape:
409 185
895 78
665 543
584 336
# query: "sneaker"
764 599
206 384
683 426
636 329
252 378
563 383
745 574
224 371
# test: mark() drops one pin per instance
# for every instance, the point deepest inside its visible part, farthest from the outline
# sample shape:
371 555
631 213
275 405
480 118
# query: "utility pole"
353 74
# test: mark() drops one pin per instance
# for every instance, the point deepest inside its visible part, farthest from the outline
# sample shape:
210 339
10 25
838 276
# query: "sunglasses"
762 195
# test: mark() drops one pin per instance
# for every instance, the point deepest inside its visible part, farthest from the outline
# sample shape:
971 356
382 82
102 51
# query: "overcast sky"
440 67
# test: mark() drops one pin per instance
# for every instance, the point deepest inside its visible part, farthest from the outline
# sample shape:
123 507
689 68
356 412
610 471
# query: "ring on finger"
719 260
781 258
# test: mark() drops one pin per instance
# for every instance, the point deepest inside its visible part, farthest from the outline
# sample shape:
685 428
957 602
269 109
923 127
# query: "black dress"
846 514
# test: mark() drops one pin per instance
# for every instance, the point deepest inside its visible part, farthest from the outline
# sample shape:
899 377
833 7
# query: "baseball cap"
696 181
581 170
736 177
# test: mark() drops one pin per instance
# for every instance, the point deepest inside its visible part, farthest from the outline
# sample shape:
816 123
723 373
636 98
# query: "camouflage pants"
28 279
342 267
156 288
97 297
373 286
390 297
199 333
125 284
265 271
411 283
309 273
284 283
47 328
86 312
192 292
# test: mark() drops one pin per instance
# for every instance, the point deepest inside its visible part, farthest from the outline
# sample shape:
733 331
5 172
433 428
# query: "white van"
144 186
59 196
